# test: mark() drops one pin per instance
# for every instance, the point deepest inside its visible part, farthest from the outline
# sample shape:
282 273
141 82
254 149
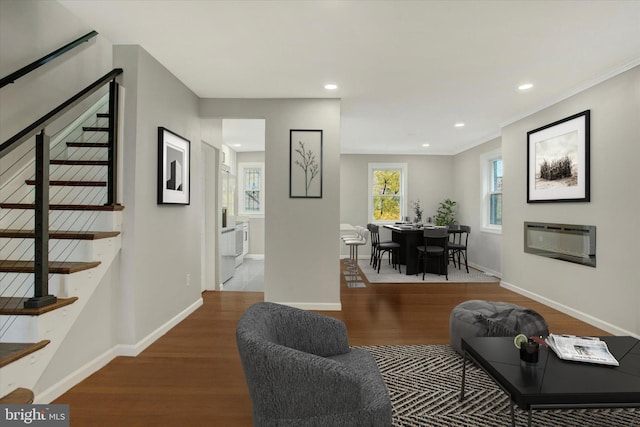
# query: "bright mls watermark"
34 415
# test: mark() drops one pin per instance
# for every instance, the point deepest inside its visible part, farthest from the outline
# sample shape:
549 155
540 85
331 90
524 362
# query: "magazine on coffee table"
581 349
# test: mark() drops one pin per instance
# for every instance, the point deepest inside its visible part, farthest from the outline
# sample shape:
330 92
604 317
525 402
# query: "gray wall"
607 295
300 234
161 243
31 29
146 288
484 247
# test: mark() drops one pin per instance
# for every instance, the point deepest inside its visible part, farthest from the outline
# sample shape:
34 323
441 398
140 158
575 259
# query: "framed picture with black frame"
174 168
305 163
558 161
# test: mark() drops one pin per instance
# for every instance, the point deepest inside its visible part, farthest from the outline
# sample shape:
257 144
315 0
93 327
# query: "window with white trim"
387 192
251 188
492 192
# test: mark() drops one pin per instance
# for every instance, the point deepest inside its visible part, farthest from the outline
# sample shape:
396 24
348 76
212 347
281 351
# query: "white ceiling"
407 70
244 134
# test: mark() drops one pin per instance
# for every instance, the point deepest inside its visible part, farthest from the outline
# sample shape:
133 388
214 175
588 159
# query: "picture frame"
174 168
558 161
305 163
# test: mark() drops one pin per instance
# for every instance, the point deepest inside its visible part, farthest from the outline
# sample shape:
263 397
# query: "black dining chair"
374 244
436 245
458 245
392 248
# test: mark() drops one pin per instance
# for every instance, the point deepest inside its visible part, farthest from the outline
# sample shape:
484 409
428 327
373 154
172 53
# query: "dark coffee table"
553 383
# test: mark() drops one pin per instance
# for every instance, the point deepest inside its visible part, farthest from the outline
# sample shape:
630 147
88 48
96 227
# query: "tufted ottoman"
477 318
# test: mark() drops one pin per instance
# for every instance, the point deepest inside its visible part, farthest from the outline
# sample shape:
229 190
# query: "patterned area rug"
424 385
389 275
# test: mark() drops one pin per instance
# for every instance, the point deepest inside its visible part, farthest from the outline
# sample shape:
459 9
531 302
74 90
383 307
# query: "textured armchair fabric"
301 371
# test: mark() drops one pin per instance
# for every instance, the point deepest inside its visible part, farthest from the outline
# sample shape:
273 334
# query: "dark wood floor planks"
192 375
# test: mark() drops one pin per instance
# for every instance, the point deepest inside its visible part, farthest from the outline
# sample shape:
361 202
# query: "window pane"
386 208
386 199
495 209
251 188
496 176
386 182
252 201
252 179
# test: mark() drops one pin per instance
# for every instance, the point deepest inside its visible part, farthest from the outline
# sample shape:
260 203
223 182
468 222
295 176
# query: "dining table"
410 236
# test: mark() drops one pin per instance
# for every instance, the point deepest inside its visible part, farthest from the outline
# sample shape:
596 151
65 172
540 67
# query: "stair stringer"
56 324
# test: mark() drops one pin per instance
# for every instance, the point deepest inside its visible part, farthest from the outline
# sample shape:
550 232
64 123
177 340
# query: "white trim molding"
594 321
319 306
102 360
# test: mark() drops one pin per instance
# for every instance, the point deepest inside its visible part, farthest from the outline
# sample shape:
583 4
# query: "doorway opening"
242 167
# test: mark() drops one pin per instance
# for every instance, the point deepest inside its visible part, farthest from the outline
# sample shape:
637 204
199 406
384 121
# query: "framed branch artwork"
305 163
558 161
174 166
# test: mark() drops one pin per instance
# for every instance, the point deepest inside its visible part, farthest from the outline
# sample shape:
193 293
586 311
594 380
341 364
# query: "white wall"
161 243
608 295
484 247
430 179
301 253
91 340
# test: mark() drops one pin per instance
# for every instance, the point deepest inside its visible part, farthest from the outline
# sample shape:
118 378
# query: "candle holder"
529 352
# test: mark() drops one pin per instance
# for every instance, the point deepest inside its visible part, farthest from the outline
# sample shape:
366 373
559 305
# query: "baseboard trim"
75 377
594 321
326 306
486 270
101 361
136 349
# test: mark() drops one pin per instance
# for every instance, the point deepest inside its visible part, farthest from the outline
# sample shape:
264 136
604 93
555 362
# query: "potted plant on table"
417 210
446 213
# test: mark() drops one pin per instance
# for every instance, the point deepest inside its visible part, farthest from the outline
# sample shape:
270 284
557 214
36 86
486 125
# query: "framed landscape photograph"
558 161
173 168
305 163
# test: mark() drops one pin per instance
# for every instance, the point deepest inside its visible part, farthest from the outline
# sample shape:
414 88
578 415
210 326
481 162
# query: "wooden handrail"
47 58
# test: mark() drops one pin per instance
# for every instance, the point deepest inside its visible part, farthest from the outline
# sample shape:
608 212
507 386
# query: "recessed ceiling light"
426 145
459 125
331 86
237 145
525 86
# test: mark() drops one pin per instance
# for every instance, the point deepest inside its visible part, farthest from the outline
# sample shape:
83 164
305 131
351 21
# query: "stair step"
10 352
53 234
88 144
55 267
19 396
95 129
27 206
15 306
79 162
71 183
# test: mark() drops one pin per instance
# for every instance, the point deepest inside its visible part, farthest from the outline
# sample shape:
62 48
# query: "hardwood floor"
192 376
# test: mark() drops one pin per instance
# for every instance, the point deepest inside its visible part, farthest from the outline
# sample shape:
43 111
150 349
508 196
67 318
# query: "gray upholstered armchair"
301 371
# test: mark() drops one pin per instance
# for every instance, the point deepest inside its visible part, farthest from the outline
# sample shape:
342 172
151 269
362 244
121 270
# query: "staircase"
84 239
